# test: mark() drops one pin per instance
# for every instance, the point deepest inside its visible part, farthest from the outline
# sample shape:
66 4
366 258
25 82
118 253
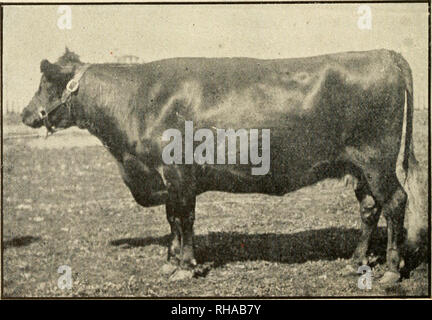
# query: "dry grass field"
65 204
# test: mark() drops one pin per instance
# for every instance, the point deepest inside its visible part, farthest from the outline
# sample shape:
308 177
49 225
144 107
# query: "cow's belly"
297 159
235 180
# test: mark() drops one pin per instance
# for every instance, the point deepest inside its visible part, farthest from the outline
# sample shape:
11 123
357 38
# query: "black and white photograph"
215 150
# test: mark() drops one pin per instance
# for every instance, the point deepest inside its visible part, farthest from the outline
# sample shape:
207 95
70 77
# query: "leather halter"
71 87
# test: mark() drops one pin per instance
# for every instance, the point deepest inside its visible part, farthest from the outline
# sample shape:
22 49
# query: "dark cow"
329 116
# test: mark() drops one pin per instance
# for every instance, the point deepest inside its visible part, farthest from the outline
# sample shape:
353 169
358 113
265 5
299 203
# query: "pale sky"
155 32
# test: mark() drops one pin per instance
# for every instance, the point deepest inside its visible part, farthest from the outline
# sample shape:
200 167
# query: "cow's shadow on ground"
19 242
221 248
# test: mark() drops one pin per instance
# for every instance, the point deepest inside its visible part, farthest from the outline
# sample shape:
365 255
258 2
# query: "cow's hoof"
181 274
389 278
168 269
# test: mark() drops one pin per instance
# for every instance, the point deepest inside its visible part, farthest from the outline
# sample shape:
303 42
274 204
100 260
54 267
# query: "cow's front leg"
174 252
181 218
180 210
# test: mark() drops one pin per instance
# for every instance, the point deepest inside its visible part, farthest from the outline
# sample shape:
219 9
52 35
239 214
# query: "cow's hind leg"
389 194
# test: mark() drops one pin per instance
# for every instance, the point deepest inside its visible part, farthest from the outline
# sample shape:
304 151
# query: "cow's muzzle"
31 119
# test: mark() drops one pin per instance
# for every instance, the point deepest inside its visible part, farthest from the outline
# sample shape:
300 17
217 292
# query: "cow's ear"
55 73
45 65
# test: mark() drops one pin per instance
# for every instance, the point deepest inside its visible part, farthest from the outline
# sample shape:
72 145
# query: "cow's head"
55 77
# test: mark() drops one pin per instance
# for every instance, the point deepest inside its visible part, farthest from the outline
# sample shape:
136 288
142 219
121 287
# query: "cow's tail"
408 150
415 182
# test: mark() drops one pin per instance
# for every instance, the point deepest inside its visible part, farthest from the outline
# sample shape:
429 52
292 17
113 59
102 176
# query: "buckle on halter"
72 86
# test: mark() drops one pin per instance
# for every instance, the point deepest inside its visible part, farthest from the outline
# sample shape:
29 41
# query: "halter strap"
71 87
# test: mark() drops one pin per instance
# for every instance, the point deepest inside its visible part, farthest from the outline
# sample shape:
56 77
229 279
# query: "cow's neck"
95 116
